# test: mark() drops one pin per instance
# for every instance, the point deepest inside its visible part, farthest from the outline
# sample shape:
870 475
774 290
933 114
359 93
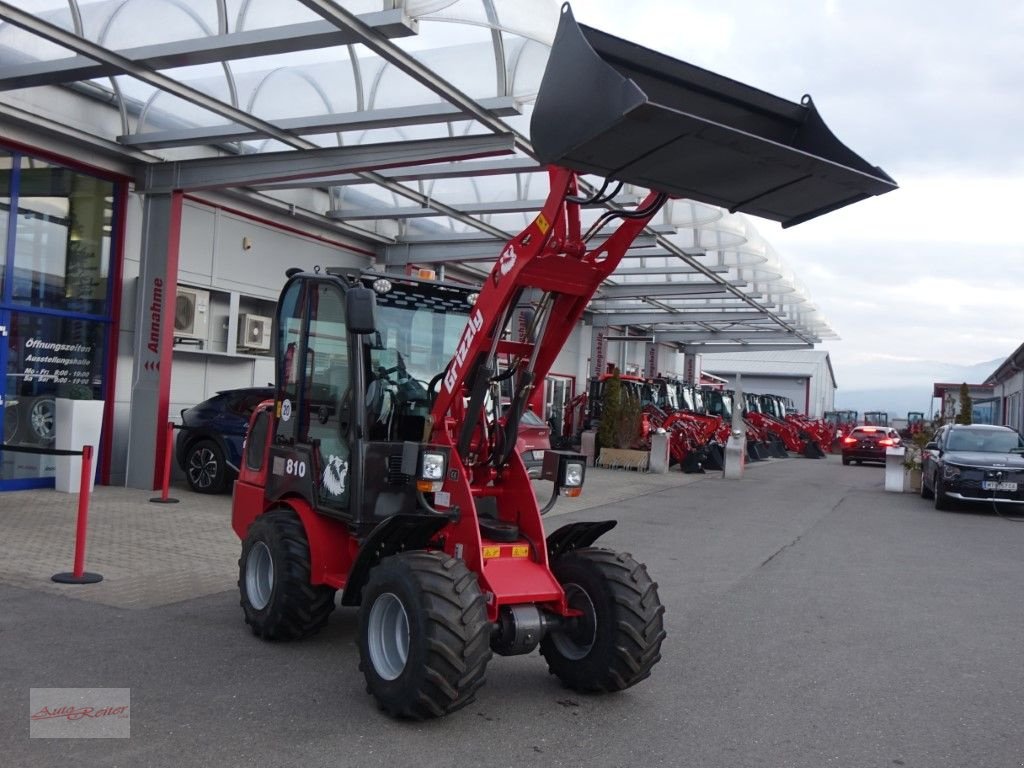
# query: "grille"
395 474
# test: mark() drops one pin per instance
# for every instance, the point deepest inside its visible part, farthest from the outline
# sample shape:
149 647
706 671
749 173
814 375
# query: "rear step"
613 108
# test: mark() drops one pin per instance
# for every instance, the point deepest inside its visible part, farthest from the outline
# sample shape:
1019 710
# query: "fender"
576 535
397 533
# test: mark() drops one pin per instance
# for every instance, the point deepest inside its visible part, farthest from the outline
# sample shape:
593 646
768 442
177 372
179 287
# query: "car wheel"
926 492
939 492
846 461
205 468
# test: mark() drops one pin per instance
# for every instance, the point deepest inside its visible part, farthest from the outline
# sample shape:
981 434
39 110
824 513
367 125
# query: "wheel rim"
388 636
41 417
577 641
202 468
259 576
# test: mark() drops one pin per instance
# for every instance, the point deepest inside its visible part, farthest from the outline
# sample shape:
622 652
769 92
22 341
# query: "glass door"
56 228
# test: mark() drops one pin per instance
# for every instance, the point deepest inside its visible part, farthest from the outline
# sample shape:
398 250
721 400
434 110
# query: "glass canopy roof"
241 78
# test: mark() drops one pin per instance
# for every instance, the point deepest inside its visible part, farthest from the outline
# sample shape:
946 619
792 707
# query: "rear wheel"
846 461
424 637
277 597
617 640
205 468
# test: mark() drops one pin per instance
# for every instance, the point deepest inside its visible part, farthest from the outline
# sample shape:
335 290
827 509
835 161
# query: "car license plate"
992 485
538 455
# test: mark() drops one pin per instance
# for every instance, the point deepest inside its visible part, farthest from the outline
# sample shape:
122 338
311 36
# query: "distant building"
804 376
1007 382
984 402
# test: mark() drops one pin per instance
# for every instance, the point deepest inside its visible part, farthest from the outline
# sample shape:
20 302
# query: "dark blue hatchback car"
209 448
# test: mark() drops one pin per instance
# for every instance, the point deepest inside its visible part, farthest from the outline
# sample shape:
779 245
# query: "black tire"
618 639
926 492
941 502
205 468
846 461
433 605
278 599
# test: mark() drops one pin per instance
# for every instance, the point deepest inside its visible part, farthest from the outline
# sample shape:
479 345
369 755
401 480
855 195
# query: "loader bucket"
715 460
778 448
752 452
615 109
813 451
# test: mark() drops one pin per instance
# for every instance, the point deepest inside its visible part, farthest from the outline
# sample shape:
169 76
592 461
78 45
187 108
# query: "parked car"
209 447
869 444
973 462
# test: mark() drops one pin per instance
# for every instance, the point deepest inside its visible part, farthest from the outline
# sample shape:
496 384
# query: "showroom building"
163 164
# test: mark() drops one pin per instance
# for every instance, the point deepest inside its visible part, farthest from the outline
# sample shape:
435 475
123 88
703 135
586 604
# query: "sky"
933 93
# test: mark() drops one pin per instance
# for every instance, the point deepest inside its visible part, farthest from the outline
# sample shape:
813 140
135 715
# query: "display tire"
617 641
424 636
277 596
206 471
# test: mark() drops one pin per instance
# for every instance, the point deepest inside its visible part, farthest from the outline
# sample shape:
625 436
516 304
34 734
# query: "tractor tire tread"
456 645
299 608
635 645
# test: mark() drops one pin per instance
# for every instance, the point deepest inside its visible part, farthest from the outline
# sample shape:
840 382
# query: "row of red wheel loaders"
698 421
384 468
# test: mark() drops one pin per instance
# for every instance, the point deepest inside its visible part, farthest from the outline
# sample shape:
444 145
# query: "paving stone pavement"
155 554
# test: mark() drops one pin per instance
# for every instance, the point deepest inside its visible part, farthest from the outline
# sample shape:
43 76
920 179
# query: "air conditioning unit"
254 332
191 315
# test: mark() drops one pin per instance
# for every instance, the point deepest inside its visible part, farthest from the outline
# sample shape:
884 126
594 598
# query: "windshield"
984 441
418 327
719 403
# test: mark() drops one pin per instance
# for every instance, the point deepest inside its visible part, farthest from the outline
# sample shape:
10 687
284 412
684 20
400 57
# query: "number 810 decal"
295 467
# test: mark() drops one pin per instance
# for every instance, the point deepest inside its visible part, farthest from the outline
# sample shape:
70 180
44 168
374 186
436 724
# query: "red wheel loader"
385 467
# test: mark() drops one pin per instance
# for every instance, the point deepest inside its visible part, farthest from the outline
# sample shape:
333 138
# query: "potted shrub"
912 461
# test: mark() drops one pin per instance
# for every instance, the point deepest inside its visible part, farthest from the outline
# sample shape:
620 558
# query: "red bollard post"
79 575
163 498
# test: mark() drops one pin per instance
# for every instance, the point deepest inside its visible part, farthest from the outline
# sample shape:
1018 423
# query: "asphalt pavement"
813 620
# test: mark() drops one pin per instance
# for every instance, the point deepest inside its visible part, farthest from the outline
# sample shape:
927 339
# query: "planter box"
624 458
912 481
78 423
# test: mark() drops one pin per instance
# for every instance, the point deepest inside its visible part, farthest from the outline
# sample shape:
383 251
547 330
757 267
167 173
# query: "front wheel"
926 492
942 502
277 597
424 638
617 640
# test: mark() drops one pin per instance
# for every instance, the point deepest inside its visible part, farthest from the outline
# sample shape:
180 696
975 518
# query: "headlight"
382 285
433 466
573 475
425 465
950 472
566 469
